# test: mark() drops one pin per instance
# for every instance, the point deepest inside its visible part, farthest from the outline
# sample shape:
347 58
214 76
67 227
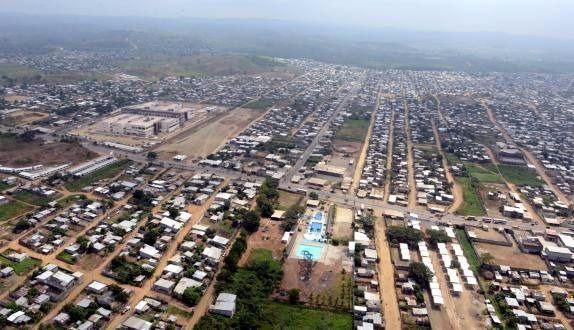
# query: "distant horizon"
515 17
292 21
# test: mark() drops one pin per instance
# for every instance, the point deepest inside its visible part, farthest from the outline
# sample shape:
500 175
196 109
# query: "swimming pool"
314 249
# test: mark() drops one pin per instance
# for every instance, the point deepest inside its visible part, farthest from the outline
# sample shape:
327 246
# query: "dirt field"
342 226
25 117
16 98
267 237
18 153
287 199
511 256
206 140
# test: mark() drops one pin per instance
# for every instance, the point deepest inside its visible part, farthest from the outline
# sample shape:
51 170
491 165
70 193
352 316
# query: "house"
224 304
135 323
163 285
149 252
185 283
212 254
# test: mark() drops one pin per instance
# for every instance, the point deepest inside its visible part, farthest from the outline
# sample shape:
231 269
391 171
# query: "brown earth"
18 153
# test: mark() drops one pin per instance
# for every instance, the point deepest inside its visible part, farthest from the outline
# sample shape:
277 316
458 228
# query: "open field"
16 152
353 130
259 104
483 174
471 205
469 252
520 175
264 242
342 226
20 268
33 198
25 117
286 199
299 317
103 173
511 256
208 138
13 209
156 67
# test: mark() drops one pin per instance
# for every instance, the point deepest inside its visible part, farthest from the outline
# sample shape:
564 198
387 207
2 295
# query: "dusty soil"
210 137
287 199
267 237
18 153
325 279
386 279
25 117
342 226
511 256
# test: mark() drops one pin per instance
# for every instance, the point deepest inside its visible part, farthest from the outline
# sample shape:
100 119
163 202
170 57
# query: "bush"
293 296
251 221
437 236
191 296
399 234
420 273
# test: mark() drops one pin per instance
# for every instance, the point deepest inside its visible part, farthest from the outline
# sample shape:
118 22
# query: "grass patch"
472 204
31 197
13 209
483 174
4 186
468 250
103 173
66 257
259 104
178 311
452 159
353 130
286 199
260 255
520 175
63 202
299 317
24 267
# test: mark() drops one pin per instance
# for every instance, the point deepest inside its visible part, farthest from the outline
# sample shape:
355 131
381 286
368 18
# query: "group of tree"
401 234
420 273
437 236
268 195
142 198
292 215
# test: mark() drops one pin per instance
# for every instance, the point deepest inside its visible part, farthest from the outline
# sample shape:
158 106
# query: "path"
386 274
456 189
410 161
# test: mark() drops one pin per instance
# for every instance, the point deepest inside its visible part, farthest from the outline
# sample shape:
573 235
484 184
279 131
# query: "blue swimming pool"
315 250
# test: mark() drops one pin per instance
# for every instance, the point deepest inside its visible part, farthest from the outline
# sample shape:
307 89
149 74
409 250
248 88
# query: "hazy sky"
530 17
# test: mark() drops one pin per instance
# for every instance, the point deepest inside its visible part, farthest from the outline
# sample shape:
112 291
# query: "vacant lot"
13 209
342 227
259 104
25 117
483 174
265 242
20 268
299 317
208 138
511 256
353 130
472 204
17 152
103 173
287 199
520 175
33 198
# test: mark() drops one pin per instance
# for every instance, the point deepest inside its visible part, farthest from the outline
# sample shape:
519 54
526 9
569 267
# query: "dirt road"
391 312
456 188
363 155
529 156
410 161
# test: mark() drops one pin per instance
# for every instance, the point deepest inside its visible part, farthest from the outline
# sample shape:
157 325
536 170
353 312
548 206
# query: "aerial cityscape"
156 180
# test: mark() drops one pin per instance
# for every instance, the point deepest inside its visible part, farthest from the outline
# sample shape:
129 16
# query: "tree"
83 241
420 273
437 236
313 195
152 155
150 236
119 293
173 212
191 296
408 235
251 221
293 296
21 225
486 258
265 206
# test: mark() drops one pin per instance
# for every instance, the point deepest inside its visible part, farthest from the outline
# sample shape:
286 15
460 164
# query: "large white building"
138 125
